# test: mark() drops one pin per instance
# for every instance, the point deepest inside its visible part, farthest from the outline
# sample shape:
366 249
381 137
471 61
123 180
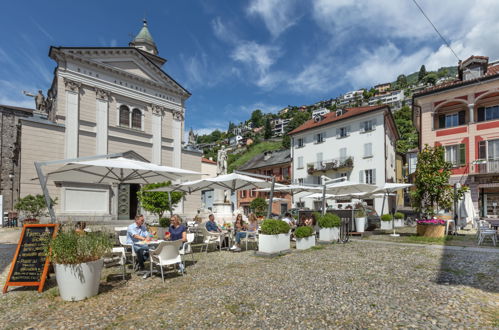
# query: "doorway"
128 203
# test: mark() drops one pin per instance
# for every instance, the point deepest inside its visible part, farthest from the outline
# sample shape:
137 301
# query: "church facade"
106 100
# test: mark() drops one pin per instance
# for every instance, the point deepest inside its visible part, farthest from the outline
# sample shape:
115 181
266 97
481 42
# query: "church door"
128 203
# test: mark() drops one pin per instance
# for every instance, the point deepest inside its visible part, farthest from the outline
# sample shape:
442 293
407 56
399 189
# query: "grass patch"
260 148
428 240
317 247
454 271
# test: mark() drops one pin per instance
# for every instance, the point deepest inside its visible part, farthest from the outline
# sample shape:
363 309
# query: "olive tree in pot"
33 208
360 220
386 222
329 224
274 236
305 237
398 219
164 223
78 262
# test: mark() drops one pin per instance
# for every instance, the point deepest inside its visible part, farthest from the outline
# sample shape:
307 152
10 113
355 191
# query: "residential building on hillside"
279 126
463 117
382 88
283 111
277 163
106 100
394 99
349 97
357 143
320 112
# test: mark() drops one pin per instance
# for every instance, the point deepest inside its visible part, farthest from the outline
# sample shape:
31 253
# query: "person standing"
137 232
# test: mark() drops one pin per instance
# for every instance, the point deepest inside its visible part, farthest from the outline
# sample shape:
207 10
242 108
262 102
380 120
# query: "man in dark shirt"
212 225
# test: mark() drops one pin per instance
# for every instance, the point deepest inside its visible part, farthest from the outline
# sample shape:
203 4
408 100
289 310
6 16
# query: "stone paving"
356 285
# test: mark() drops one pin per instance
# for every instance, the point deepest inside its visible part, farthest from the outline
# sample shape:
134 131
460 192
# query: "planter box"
273 243
398 223
305 242
386 225
329 234
431 230
79 281
360 224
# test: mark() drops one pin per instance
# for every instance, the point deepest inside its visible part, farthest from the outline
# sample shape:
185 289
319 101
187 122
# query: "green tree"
257 118
157 202
286 141
33 207
431 78
422 73
402 81
433 191
408 134
267 133
298 119
259 206
443 72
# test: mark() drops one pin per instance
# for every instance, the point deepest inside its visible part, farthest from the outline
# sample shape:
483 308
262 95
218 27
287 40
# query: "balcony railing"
488 166
330 165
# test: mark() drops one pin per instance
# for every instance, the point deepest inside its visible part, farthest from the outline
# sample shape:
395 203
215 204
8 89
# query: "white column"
177 139
72 118
471 108
157 119
101 119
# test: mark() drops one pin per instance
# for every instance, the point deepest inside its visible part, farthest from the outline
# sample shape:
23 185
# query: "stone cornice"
71 85
158 109
102 94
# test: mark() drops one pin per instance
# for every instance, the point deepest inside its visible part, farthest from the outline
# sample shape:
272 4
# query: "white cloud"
223 32
277 15
11 94
248 109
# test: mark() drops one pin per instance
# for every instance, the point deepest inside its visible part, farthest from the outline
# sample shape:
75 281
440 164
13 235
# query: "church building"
106 100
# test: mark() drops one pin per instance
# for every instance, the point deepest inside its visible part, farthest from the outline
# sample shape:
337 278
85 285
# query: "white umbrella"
320 195
118 170
387 188
276 199
349 187
292 188
466 210
232 181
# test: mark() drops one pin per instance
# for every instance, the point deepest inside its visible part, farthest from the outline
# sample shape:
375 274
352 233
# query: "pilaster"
72 89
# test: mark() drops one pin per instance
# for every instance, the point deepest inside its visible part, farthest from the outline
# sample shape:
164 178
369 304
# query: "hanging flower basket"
431 228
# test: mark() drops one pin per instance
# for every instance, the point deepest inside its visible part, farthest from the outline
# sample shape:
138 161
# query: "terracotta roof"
209 161
331 117
492 71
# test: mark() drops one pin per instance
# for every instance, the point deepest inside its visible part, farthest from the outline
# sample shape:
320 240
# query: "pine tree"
267 134
422 73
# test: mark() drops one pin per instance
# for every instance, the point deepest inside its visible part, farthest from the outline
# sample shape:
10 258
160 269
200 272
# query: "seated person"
288 219
211 225
80 227
137 232
244 229
177 231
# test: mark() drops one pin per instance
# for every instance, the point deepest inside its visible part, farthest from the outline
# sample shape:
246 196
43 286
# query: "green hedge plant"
386 217
398 215
164 222
329 220
360 213
304 231
70 247
274 227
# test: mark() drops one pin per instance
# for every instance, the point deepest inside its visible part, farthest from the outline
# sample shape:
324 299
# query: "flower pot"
273 243
398 223
78 281
435 231
360 224
329 234
386 225
304 243
31 221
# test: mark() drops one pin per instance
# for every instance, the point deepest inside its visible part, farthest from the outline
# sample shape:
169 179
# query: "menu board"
30 265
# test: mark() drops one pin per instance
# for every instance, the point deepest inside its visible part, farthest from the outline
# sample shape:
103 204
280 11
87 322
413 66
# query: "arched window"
136 119
124 116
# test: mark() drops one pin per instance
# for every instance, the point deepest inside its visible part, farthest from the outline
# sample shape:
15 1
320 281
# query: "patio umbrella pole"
393 225
170 203
324 199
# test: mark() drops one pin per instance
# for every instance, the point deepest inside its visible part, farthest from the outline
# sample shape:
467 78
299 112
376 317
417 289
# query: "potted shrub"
305 237
33 208
164 224
386 222
274 236
78 262
360 220
329 224
431 228
398 219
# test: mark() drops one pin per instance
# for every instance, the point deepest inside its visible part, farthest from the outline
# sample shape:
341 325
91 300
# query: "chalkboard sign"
29 266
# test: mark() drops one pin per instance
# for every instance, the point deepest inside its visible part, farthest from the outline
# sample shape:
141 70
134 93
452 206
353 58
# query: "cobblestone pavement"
356 285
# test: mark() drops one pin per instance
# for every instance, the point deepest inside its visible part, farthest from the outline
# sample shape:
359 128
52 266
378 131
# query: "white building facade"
358 143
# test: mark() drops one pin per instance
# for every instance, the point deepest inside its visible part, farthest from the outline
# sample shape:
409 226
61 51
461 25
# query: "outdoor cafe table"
494 223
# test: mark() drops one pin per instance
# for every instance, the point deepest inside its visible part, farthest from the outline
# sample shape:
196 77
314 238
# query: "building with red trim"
463 117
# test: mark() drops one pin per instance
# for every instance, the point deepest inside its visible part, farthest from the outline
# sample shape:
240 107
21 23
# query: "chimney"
473 67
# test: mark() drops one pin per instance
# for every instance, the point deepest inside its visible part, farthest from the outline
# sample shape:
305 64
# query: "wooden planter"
431 230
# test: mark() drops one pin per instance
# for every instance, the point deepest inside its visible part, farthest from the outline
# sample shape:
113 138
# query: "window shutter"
441 121
462 154
361 127
348 130
374 176
361 176
462 116
482 150
374 124
481 114
337 132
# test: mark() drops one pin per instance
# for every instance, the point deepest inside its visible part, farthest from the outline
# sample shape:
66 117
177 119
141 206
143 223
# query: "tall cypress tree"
422 73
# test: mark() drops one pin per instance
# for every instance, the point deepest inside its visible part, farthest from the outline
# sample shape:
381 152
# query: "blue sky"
237 56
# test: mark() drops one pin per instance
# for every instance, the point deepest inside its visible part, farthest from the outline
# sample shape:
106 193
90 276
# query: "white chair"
251 236
187 248
116 257
128 246
166 254
485 231
210 237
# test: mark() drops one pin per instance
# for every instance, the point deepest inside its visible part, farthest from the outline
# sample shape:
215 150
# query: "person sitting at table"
80 227
289 219
177 231
211 225
137 232
245 229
